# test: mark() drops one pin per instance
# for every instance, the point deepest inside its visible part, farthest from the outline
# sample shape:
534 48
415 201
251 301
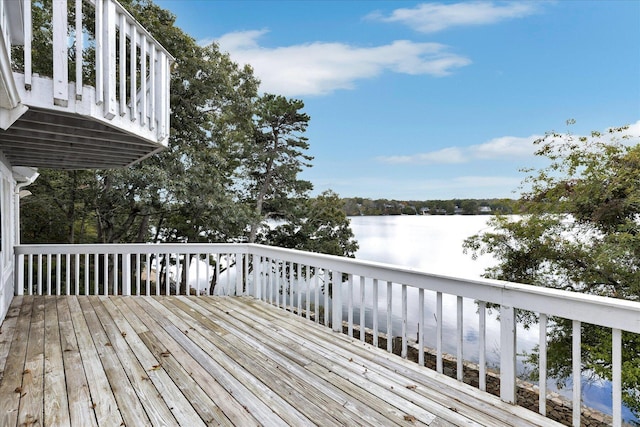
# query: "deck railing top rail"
604 311
322 287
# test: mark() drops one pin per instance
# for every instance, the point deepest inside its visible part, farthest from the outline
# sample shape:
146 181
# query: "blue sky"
425 100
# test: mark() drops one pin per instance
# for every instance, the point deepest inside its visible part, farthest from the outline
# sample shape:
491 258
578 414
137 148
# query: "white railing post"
19 275
542 365
60 57
482 345
507 354
270 267
239 275
576 362
336 301
126 274
616 375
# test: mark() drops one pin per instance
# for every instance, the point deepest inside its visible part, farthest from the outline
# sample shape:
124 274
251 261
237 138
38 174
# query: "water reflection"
434 244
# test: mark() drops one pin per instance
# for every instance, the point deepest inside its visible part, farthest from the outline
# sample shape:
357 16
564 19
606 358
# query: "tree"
59 209
580 233
469 207
232 162
320 225
273 158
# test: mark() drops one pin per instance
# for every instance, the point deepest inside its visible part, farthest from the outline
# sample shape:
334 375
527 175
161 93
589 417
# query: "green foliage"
272 159
354 206
581 233
59 209
232 162
319 226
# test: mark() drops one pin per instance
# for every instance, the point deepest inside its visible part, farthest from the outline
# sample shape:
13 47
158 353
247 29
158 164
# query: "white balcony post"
153 70
507 354
122 65
99 49
133 71
109 61
161 93
336 301
143 80
79 48
60 56
28 34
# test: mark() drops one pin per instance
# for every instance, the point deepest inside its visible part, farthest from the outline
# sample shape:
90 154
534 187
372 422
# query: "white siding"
7 233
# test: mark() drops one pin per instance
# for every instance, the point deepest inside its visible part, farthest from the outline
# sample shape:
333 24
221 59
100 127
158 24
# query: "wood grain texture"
191 361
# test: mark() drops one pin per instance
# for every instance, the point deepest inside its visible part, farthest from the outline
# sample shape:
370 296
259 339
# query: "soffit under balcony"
51 139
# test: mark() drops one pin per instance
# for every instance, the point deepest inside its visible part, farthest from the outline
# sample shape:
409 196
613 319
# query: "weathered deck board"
80 407
7 329
31 408
56 405
84 361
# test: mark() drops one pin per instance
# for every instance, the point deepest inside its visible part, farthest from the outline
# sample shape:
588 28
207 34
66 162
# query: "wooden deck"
191 361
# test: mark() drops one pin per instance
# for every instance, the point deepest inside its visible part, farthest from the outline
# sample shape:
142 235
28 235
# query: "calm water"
434 244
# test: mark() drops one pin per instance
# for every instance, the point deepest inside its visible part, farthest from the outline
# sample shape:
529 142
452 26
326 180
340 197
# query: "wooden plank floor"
194 361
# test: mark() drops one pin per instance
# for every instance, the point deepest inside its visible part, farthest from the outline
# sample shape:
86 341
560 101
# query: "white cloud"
511 147
631 135
505 146
433 17
450 155
320 68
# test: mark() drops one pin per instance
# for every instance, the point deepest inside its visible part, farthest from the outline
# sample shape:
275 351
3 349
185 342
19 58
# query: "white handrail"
284 276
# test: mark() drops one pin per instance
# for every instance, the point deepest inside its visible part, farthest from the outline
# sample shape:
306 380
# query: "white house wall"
7 230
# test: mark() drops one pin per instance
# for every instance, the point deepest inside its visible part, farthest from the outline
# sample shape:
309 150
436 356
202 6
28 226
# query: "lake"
434 244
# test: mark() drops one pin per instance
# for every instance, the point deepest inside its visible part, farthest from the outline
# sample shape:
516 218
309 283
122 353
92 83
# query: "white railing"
131 85
322 287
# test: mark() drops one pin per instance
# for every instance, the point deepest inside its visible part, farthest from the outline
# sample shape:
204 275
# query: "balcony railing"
104 65
333 290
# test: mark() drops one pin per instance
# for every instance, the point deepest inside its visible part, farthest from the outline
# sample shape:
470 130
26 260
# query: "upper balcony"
95 82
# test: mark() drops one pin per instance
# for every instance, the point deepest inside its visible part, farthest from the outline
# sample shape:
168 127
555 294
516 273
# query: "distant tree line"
355 206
